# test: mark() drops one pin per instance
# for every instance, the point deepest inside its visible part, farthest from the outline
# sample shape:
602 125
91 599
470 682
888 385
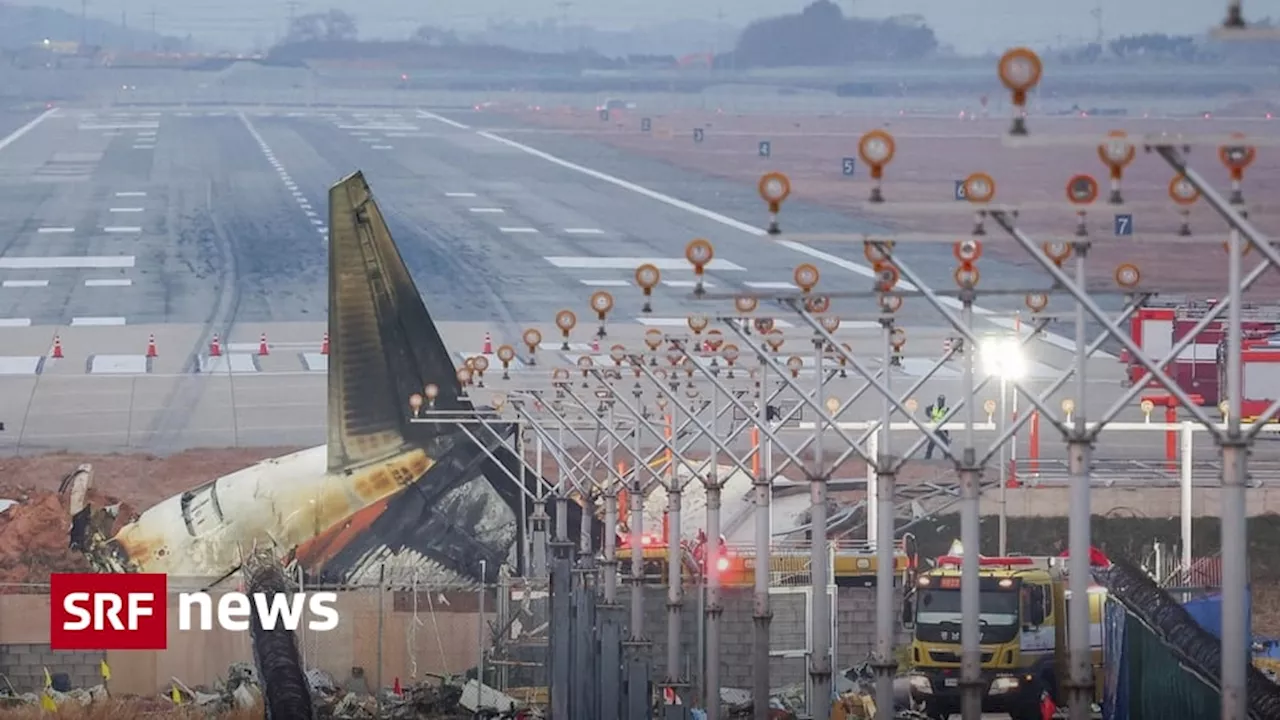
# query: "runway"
126 224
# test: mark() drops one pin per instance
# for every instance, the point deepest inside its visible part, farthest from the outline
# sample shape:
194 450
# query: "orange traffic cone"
215 347
488 345
397 689
151 346
262 345
324 345
57 347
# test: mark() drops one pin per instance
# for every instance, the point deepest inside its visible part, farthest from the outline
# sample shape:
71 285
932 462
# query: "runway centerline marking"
857 268
583 231
24 283
76 262
125 210
494 211
55 230
284 175
459 194
122 229
131 193
518 230
108 282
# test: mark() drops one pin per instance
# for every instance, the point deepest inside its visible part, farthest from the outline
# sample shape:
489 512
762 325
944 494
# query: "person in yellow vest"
937 412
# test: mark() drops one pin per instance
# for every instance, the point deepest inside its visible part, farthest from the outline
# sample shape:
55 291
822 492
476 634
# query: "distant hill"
23 27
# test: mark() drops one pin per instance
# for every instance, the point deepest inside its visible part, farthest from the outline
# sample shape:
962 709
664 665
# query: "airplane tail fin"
383 345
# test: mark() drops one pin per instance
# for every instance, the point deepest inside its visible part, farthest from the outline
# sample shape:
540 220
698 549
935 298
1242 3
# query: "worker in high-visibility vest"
937 412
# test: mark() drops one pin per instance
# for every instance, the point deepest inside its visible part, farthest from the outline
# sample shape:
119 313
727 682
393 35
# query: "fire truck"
1259 376
1023 617
1196 369
852 566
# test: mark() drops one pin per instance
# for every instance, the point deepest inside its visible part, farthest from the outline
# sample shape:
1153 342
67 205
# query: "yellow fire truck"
851 566
1023 616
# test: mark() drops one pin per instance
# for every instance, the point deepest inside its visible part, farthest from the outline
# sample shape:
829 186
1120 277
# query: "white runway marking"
15 322
20 365
583 231
284 176
631 263
369 139
605 283
771 285
686 284
118 365
108 282
684 322
518 230
358 133
402 128
857 268
66 263
459 194
441 118
122 229
380 147
55 230
144 147
125 210
121 126
96 321
494 211
24 283
131 193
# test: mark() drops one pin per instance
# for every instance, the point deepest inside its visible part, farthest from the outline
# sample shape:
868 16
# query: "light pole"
1002 357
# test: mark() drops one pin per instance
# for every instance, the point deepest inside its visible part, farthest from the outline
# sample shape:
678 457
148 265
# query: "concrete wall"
24 665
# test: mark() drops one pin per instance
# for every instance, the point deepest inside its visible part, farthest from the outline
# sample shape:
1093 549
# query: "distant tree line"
821 35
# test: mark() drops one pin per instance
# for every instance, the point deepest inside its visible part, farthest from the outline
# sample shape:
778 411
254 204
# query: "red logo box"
108 611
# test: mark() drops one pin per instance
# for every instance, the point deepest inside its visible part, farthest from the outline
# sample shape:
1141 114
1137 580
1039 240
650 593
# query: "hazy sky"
969 25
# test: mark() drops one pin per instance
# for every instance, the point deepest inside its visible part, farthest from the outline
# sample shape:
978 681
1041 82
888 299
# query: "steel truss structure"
625 429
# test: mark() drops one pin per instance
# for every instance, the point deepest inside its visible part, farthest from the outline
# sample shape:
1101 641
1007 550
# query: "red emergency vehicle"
1196 369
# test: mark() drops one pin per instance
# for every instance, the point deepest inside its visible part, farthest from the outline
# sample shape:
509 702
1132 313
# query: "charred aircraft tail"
384 347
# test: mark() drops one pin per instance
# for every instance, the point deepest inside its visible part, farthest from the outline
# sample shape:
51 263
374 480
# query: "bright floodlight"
1002 357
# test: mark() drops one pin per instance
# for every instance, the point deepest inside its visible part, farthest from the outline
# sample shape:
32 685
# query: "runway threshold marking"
585 262
55 230
854 267
62 262
108 282
131 193
583 231
13 137
24 283
460 194
97 321
122 229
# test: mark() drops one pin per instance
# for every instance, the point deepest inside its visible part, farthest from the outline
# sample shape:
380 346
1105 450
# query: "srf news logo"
126 611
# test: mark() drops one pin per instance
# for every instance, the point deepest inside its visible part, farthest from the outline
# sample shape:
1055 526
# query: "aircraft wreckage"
420 500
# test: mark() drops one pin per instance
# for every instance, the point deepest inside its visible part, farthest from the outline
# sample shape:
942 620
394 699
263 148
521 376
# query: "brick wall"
24 664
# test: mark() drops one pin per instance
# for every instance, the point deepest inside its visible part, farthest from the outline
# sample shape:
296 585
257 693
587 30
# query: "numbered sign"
646 124
960 194
697 135
604 114
1124 225
847 167
765 148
